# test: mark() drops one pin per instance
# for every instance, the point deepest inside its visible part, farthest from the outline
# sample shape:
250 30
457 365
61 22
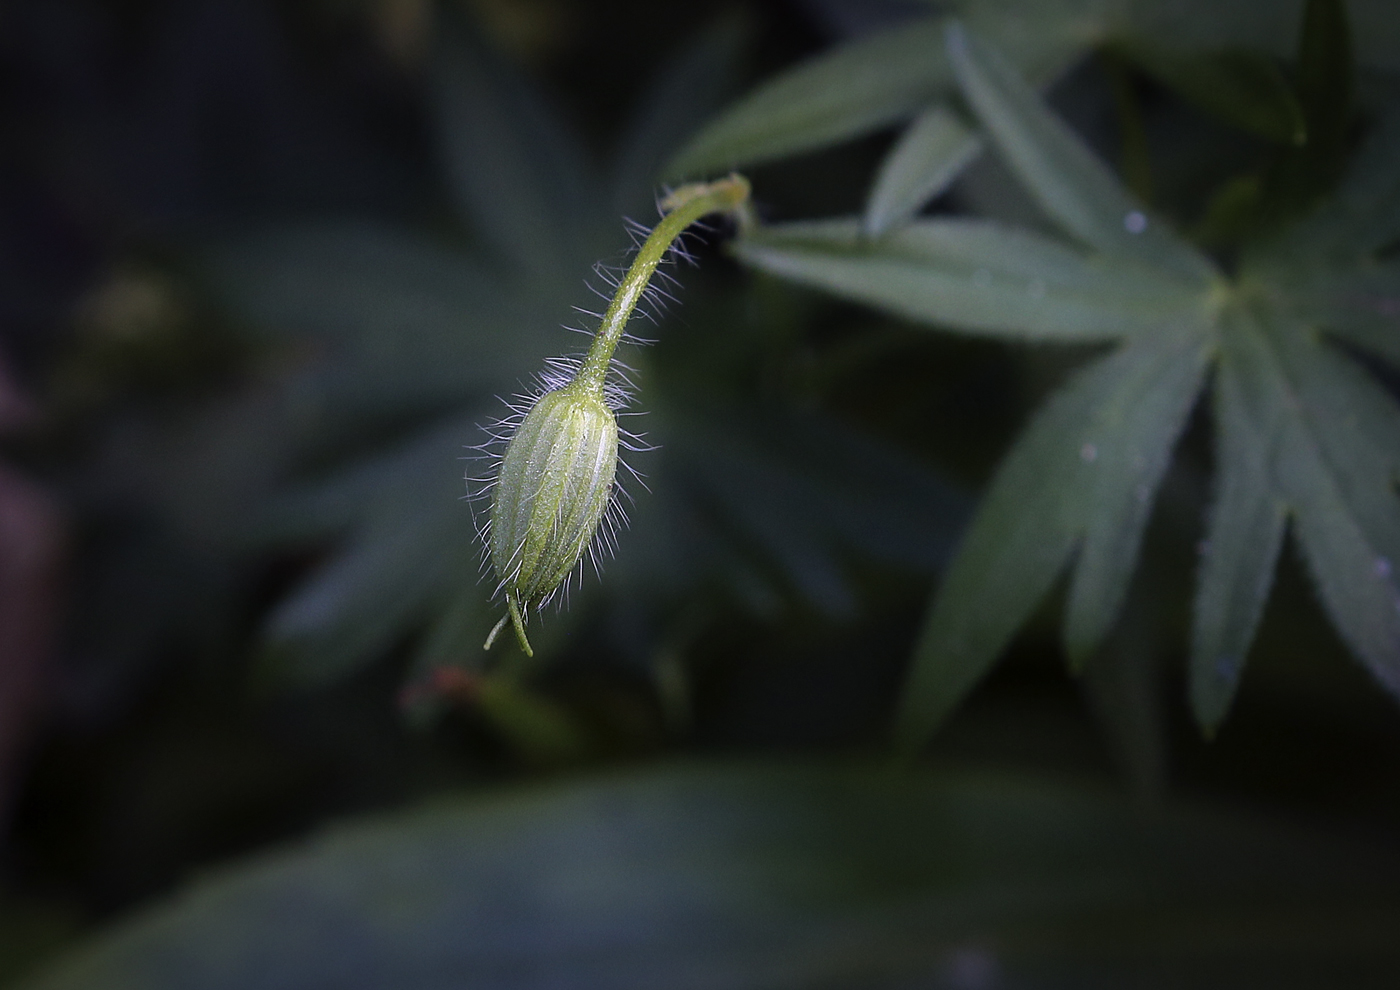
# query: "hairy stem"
686 205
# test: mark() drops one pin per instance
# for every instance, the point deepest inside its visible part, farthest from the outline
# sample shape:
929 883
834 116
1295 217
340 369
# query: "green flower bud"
555 484
556 478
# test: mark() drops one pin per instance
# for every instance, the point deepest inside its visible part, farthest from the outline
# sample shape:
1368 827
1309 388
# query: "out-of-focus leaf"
1359 303
930 154
1073 187
1205 25
1241 547
686 90
715 877
515 174
1237 86
1132 440
878 80
976 276
1362 214
1325 82
1326 73
813 489
399 325
864 85
413 542
1336 457
1087 465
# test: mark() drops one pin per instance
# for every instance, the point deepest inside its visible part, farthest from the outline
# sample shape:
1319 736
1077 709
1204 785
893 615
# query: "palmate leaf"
1329 439
1303 432
902 72
746 876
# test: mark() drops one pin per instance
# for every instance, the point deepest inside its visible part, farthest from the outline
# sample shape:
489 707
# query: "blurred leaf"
1136 157
862 86
977 276
1361 215
1212 25
933 150
1086 469
810 489
516 176
748 876
1237 559
399 325
1360 303
1237 86
1133 440
408 536
1073 187
1325 81
538 729
1338 462
1084 474
876 80
887 76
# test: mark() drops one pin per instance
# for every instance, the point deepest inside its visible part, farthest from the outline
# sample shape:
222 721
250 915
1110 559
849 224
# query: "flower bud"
554 486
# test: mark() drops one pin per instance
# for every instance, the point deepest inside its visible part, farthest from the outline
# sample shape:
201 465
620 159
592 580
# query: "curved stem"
686 205
518 621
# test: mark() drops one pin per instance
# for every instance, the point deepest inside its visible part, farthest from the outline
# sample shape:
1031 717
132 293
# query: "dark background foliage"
193 195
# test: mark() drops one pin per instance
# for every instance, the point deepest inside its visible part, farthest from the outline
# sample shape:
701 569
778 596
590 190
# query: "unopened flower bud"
555 484
556 477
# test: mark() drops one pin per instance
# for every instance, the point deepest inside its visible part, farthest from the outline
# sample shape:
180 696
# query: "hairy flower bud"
555 483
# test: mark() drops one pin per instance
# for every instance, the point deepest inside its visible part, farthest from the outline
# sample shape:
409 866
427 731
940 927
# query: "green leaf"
857 88
1359 303
1325 80
398 323
1362 214
1336 463
748 876
413 542
1239 87
1075 188
1093 448
1133 439
516 176
932 152
1243 538
977 276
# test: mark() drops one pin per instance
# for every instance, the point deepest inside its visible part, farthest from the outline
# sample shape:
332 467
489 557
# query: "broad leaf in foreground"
730 877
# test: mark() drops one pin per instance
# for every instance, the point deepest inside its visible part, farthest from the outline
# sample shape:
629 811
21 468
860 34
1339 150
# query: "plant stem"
686 205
